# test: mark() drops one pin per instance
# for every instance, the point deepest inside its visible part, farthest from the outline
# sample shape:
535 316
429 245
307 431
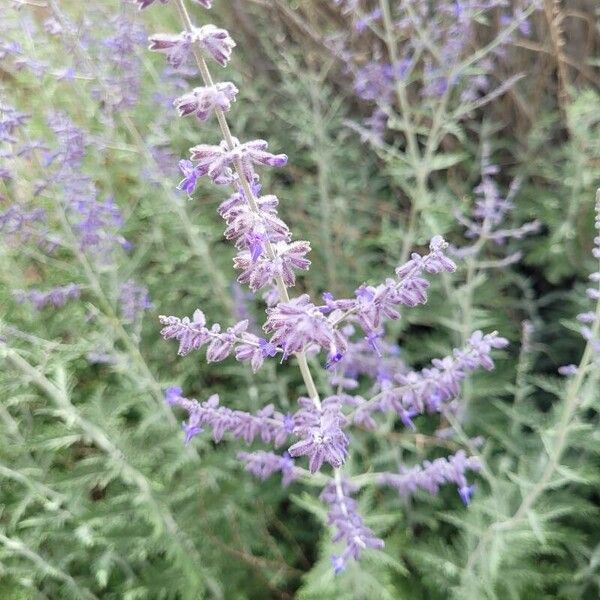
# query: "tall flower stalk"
268 260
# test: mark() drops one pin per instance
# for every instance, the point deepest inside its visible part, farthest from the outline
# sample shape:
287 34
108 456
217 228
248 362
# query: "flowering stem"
248 193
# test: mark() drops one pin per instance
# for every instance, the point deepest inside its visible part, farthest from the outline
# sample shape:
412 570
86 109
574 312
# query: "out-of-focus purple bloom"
172 394
366 20
133 300
10 121
21 223
243 306
56 297
590 324
491 209
190 177
52 26
265 464
190 431
121 68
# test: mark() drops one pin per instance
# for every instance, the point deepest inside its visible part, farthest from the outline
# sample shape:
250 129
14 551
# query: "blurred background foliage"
98 496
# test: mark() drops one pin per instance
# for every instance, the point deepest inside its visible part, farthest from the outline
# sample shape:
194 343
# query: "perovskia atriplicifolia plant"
348 331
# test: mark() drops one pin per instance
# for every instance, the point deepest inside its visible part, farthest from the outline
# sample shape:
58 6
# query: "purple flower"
264 464
188 183
175 46
249 229
264 270
191 431
56 297
134 300
349 525
201 101
266 424
410 393
320 430
465 492
216 42
193 334
567 370
172 394
216 161
297 323
432 474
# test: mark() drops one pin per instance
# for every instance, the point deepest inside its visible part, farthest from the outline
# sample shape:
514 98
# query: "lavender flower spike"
349 524
431 475
56 297
266 424
265 464
193 333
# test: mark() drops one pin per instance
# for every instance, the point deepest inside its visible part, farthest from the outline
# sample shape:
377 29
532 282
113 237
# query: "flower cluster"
193 333
297 323
202 101
268 259
56 297
267 424
373 304
413 393
431 475
349 525
215 42
95 222
320 430
490 211
434 45
133 300
264 464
